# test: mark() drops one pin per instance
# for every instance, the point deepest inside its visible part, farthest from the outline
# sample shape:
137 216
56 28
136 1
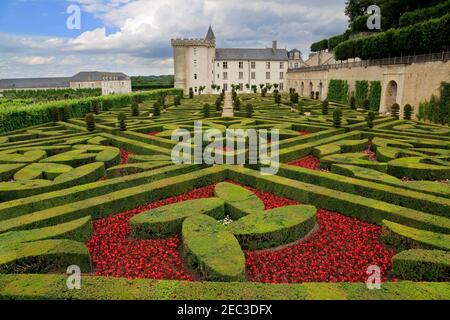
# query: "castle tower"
194 62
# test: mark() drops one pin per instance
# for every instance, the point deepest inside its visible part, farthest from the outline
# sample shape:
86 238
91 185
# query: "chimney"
274 45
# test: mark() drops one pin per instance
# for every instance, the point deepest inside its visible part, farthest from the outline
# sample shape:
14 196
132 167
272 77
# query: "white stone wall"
108 87
234 72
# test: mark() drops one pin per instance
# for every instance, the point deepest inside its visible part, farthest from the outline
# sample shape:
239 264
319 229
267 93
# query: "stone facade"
197 63
109 82
401 83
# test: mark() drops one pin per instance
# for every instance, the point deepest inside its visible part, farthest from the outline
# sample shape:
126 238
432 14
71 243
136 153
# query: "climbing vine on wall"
338 91
375 95
362 91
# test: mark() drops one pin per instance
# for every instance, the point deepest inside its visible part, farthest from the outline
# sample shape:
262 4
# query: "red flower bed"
114 254
309 162
304 133
153 133
340 250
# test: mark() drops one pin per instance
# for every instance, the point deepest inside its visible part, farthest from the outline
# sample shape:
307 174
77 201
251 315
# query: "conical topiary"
90 122
395 110
370 119
135 109
206 111
407 112
122 124
156 109
337 118
325 105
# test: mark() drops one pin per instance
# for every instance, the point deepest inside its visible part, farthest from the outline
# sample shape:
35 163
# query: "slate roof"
210 35
97 76
252 54
41 83
38 83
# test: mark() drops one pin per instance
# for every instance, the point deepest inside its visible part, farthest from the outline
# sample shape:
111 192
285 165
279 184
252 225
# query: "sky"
133 36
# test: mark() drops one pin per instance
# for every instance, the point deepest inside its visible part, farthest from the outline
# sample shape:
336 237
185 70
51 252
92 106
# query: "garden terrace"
109 199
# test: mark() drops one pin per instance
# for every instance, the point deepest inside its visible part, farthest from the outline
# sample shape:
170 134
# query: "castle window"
253 65
195 76
281 75
268 75
281 86
225 65
267 65
218 65
241 65
241 75
296 65
225 76
195 51
253 75
225 86
241 86
281 65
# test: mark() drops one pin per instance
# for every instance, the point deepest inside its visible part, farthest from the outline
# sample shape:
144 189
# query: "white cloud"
140 42
36 60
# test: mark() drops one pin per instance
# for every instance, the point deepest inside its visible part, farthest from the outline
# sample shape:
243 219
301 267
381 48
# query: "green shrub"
407 112
237 104
135 109
353 102
370 119
90 122
177 100
366 105
337 118
312 95
395 110
206 111
325 105
420 38
156 109
122 118
277 98
95 107
67 112
249 110
191 93
422 265
218 104
416 16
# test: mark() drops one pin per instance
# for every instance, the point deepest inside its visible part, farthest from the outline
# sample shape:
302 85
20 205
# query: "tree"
357 8
249 110
325 105
317 95
312 95
135 109
407 112
264 92
370 119
122 118
337 118
90 122
395 110
206 111
156 109
255 89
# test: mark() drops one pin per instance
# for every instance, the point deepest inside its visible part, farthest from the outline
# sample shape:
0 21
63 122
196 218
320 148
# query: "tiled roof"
252 54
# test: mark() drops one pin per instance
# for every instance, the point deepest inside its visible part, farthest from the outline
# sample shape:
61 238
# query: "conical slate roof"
210 35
